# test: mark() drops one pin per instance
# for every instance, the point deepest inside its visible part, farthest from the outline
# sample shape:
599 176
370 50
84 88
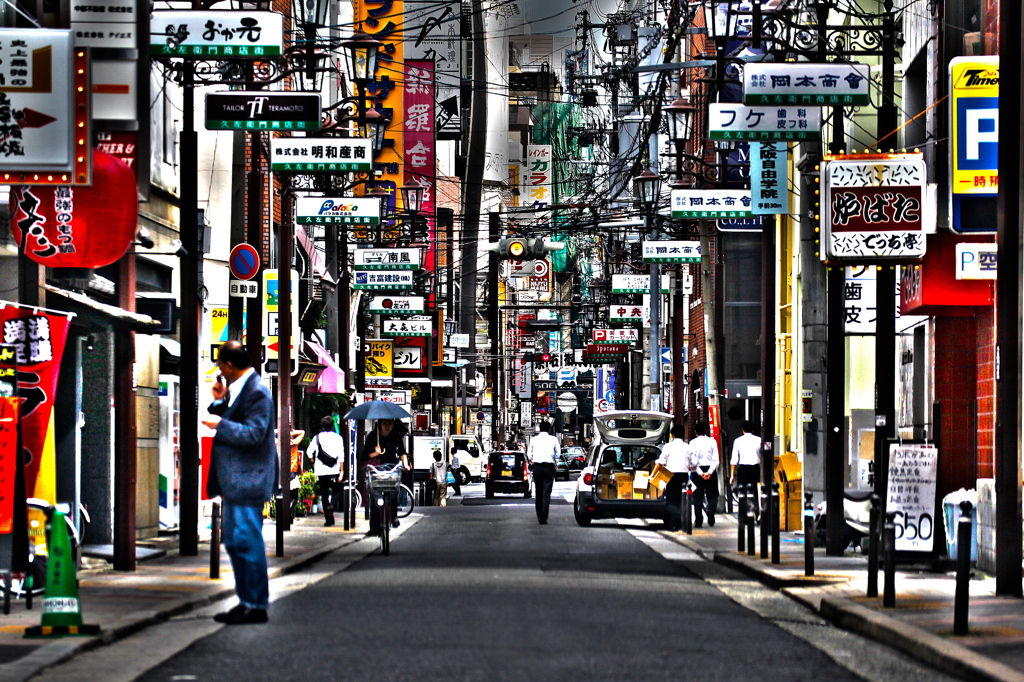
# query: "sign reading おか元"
216 35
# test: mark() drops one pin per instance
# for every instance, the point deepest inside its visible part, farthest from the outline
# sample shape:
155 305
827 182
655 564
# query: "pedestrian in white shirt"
704 462
674 457
746 460
327 450
542 452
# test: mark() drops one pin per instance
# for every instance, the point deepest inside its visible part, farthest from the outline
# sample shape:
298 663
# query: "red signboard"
419 104
607 348
932 288
8 460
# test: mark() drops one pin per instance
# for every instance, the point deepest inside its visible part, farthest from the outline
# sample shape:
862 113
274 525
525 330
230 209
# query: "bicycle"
383 482
406 500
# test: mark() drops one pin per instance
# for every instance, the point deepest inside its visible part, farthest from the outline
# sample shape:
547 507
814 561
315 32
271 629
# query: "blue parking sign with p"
977 146
974 157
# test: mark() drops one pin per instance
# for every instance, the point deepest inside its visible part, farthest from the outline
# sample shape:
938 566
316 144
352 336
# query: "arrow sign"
34 119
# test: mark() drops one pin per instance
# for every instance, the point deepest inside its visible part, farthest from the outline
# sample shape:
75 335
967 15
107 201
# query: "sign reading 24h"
874 207
803 83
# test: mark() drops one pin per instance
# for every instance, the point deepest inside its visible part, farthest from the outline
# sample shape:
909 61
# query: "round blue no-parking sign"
244 261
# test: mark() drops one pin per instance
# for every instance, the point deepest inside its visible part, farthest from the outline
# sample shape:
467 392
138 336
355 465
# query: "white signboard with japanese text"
616 336
637 284
432 33
630 313
395 395
734 121
671 252
386 259
976 261
408 357
538 177
396 305
911 495
407 328
337 210
874 207
321 154
216 35
382 280
769 178
832 84
711 203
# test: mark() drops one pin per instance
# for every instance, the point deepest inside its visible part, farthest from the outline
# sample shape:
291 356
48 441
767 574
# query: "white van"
423 448
470 451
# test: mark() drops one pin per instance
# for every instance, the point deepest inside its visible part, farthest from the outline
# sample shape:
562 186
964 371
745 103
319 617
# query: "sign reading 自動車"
711 203
322 155
216 35
260 110
734 121
332 211
874 206
832 84
671 252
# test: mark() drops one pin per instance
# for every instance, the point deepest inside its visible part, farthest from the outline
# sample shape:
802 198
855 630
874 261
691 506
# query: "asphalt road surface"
481 591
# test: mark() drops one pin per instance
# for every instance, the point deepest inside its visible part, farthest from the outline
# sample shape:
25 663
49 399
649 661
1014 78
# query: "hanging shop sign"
974 153
911 495
537 178
382 280
769 178
629 313
38 341
637 284
711 203
104 23
408 358
752 224
386 259
432 35
337 210
271 308
932 286
324 155
671 252
732 121
615 336
832 84
44 108
420 156
874 207
396 305
379 359
407 328
8 436
398 397
78 227
263 110
976 261
607 348
216 35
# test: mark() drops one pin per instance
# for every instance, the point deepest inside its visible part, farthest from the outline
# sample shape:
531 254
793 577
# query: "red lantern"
78 227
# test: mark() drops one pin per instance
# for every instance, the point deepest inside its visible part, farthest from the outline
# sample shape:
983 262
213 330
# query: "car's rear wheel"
488 493
463 476
582 518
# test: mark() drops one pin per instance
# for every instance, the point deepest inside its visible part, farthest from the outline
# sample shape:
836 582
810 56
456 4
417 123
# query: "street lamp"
413 193
363 52
647 190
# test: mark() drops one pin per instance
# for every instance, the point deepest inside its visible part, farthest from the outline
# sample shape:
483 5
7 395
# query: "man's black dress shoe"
241 615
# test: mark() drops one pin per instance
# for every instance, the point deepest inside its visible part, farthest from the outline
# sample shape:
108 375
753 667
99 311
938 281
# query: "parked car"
507 472
562 467
617 481
575 456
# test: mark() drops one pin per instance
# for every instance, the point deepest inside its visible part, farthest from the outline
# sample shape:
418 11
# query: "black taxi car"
507 472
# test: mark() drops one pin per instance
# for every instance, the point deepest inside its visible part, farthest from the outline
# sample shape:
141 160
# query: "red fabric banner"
38 341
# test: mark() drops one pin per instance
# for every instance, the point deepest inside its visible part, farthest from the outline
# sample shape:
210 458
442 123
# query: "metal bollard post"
808 534
962 600
776 540
766 528
889 541
875 515
687 509
741 520
751 523
215 542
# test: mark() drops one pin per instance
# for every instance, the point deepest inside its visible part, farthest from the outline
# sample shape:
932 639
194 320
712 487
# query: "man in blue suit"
243 472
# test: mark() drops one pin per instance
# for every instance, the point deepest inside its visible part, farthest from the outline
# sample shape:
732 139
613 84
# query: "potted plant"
307 490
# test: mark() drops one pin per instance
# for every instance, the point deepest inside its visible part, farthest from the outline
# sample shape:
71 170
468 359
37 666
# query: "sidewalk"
921 623
123 603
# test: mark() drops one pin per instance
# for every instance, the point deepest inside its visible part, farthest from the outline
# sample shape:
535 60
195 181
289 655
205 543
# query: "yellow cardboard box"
624 483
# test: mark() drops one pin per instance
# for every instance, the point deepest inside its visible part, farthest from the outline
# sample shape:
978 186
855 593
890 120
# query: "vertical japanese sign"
859 301
874 207
381 19
911 495
379 363
38 343
419 141
271 304
974 152
538 181
432 35
769 178
8 435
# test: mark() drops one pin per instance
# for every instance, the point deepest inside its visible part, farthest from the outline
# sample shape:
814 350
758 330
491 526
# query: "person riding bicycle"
385 444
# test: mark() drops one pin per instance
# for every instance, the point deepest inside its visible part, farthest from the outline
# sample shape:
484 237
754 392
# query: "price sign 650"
913 528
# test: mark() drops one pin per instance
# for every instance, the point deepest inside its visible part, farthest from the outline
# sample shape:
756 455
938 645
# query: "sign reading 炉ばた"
874 207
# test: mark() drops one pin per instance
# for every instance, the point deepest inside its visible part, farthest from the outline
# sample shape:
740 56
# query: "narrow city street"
480 591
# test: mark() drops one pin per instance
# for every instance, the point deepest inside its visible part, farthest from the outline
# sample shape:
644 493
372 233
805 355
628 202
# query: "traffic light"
543 357
521 248
527 357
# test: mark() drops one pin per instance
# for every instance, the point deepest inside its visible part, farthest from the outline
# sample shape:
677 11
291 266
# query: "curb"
61 650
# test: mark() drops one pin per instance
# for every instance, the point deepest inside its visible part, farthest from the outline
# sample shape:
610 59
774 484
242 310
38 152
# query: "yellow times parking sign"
379 354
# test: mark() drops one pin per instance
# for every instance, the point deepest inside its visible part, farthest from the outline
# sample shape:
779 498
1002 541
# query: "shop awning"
136 321
332 379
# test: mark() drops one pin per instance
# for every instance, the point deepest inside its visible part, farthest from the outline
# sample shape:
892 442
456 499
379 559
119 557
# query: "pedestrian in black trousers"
674 457
704 462
542 452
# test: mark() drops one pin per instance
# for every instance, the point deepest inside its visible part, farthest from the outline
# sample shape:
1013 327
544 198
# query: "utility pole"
710 340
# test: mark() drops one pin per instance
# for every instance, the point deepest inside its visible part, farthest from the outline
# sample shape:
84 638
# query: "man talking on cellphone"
243 472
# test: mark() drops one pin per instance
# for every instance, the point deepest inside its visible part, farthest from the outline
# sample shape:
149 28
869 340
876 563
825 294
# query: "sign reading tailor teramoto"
671 252
396 305
874 207
769 177
382 280
321 155
217 35
732 121
803 83
386 259
615 336
636 284
407 328
262 111
711 203
337 210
